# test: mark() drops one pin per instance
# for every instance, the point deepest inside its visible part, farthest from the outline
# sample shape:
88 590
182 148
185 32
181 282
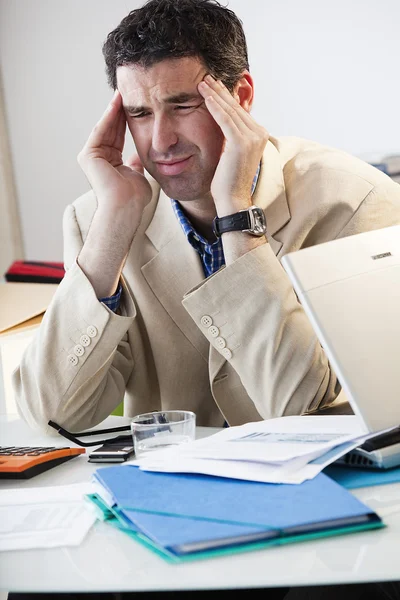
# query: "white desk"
108 560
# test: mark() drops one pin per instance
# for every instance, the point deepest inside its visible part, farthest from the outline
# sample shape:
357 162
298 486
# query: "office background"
323 70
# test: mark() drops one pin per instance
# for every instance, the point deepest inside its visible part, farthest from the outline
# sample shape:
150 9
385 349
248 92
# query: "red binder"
35 272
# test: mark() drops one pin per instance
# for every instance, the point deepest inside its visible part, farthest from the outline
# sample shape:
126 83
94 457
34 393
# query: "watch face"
258 225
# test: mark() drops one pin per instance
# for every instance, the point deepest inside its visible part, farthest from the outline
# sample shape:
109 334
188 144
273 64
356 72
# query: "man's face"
177 140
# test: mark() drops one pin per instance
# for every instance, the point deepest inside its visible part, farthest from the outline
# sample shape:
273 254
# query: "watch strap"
236 222
251 220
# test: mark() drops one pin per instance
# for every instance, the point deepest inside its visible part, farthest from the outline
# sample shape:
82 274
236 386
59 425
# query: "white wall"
323 70
11 247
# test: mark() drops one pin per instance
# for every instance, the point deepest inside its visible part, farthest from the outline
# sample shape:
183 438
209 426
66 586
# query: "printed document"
44 517
281 450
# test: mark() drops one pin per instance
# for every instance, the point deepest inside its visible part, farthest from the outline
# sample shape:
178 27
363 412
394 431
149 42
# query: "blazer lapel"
174 270
270 194
177 268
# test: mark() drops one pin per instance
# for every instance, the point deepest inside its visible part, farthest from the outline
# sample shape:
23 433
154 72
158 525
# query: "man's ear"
244 91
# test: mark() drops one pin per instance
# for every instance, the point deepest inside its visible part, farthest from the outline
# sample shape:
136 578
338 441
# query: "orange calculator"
23 462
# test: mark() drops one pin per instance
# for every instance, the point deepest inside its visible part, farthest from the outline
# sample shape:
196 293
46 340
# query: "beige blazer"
161 352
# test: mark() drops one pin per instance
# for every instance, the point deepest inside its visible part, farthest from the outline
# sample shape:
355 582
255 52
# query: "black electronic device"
116 450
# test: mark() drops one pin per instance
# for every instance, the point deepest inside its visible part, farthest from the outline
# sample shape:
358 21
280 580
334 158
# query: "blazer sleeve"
75 370
273 347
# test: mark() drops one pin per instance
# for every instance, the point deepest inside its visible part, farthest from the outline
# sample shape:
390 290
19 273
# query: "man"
155 308
166 303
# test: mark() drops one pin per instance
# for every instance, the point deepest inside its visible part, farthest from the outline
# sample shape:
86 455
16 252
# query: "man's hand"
122 193
116 185
245 141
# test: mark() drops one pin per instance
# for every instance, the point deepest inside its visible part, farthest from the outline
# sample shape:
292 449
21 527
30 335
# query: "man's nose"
164 135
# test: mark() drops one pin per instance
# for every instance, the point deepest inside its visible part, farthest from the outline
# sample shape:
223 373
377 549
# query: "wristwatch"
251 220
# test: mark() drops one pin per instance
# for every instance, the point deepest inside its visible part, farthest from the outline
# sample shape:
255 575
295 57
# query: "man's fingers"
120 130
229 104
225 116
105 131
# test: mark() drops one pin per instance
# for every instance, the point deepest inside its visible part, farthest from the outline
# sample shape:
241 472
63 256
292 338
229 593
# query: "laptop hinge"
382 440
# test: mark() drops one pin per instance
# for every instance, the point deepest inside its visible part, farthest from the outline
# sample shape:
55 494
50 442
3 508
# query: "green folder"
113 517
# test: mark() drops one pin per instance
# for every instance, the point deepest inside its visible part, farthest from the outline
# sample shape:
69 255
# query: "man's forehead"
164 79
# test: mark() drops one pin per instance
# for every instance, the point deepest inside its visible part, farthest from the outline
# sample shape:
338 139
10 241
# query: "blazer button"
79 350
85 340
226 353
220 342
91 331
213 331
206 321
72 359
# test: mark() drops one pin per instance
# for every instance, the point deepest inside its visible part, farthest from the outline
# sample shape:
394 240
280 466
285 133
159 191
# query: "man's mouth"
173 167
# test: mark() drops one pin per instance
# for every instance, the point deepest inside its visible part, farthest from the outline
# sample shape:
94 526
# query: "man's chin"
182 191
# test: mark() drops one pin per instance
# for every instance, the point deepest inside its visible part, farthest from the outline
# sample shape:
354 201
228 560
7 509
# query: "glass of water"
162 429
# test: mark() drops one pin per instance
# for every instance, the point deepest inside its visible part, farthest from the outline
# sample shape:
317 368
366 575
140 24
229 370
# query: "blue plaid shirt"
211 255
112 302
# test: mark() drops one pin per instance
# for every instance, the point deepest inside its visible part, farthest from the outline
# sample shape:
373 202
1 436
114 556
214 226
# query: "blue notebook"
187 513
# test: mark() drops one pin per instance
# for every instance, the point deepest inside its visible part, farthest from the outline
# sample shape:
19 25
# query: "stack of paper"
282 450
187 516
44 517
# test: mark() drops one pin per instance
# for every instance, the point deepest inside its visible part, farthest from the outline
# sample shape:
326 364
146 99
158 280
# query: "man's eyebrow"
181 98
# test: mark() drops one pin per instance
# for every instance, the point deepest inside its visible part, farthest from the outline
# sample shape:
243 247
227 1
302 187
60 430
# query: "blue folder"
353 477
187 513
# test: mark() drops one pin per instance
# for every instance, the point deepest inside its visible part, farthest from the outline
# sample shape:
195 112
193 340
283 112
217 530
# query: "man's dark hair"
163 29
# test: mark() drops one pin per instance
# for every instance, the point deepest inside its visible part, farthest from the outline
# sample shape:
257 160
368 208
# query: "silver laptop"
350 291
